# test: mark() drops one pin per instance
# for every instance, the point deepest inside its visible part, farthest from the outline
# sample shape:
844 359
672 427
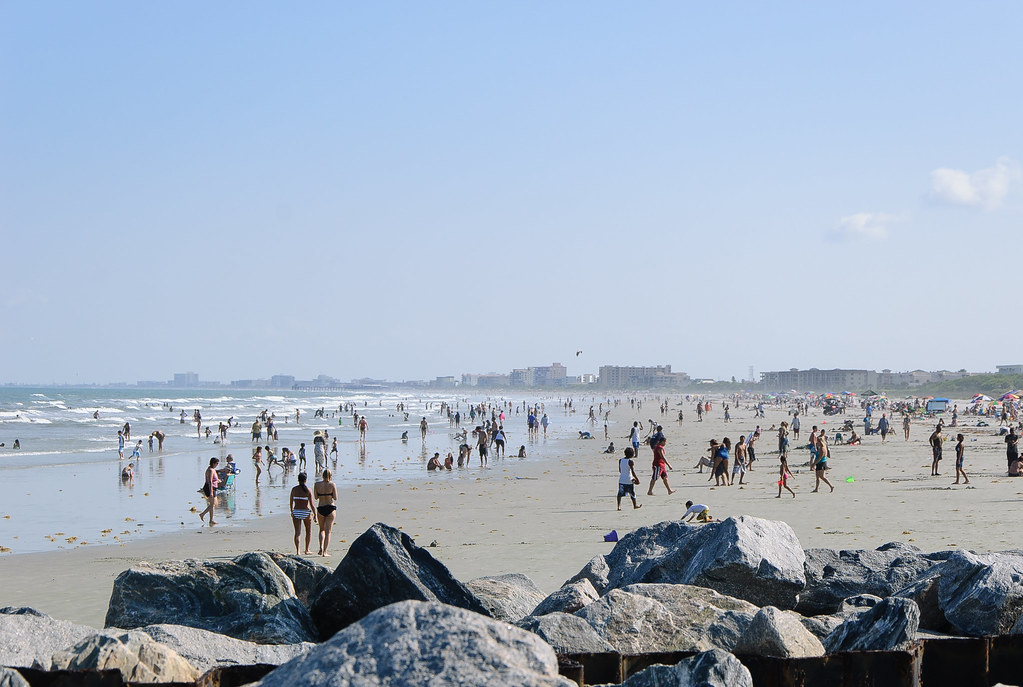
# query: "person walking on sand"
209 490
326 510
1011 446
905 425
820 466
783 439
882 427
634 438
739 462
333 451
783 477
300 503
423 428
660 467
935 442
363 426
627 479
257 461
960 450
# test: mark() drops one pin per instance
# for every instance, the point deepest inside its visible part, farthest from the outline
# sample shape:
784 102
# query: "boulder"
891 625
749 558
206 650
595 572
832 576
714 668
925 593
29 638
981 594
248 598
305 575
508 597
9 677
135 654
381 567
645 618
424 643
778 633
568 634
569 599
820 626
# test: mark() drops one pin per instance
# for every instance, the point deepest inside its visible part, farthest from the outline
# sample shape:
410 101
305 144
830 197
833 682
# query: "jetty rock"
773 632
305 575
384 566
28 638
891 625
139 658
714 668
570 598
832 576
644 618
9 677
568 634
424 643
508 597
745 557
206 650
248 598
981 594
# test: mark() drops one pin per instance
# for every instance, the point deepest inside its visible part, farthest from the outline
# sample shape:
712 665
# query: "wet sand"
546 518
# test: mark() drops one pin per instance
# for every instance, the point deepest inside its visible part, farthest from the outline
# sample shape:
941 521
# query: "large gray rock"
982 594
306 576
424 643
569 599
778 633
249 598
9 677
891 625
714 668
596 572
832 576
568 634
645 618
508 597
135 654
381 567
206 650
820 626
749 558
29 638
924 592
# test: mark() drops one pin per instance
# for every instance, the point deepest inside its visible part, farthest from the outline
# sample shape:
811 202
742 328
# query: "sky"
403 190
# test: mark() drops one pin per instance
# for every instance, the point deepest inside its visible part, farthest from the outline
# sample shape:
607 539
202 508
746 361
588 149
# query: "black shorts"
624 489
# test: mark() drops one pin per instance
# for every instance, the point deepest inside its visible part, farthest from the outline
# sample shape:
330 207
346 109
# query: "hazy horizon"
405 191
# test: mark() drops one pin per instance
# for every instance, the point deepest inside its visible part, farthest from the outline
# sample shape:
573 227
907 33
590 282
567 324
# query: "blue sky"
406 190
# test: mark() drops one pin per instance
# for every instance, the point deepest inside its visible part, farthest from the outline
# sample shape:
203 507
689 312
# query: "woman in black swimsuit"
326 511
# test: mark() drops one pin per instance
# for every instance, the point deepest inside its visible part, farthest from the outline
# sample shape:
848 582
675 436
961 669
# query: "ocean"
62 488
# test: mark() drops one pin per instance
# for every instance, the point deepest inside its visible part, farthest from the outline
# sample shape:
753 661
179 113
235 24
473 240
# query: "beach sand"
546 518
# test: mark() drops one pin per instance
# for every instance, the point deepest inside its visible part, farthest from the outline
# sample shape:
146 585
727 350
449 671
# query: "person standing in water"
209 490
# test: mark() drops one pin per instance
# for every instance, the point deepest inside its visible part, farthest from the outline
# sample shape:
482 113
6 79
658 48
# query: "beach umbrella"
981 397
1009 397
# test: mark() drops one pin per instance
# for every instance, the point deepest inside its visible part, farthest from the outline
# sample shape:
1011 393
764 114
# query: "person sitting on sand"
449 462
434 463
585 435
854 439
698 511
610 448
522 451
704 462
128 474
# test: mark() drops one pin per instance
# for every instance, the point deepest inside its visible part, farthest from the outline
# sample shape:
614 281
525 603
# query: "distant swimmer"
95 416
17 444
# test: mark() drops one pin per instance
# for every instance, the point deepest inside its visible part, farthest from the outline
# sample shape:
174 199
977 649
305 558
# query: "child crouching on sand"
698 511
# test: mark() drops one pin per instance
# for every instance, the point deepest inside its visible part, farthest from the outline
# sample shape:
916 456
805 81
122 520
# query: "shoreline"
546 517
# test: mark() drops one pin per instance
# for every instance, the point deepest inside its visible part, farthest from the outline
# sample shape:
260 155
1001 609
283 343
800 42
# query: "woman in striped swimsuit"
301 511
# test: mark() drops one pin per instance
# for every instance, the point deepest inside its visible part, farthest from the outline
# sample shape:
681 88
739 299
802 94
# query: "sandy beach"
546 518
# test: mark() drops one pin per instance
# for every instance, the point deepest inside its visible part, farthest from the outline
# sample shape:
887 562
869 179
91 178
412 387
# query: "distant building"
620 377
487 381
447 382
839 379
1009 369
548 375
282 381
185 379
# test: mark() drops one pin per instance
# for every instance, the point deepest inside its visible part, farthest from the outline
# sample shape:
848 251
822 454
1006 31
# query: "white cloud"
865 225
984 188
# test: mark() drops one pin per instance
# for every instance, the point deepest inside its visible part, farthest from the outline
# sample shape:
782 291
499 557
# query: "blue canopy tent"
937 405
